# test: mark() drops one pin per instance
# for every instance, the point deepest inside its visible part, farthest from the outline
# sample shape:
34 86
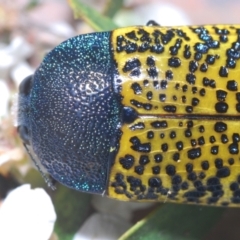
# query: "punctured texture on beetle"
144 113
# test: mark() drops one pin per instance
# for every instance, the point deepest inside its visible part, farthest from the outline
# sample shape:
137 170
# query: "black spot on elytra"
159 124
162 97
221 107
152 72
191 78
127 161
193 66
236 137
210 59
156 170
194 153
212 139
176 156
139 125
223 71
230 161
149 95
164 147
170 170
158 158
172 134
220 127
144 159
170 108
155 182
234 186
224 138
139 169
233 148
189 167
214 150
150 61
174 62
202 92
218 163
205 165
129 115
150 134
193 142
179 145
184 88
201 140
138 146
223 172
136 88
221 95
169 75
232 85
131 65
187 53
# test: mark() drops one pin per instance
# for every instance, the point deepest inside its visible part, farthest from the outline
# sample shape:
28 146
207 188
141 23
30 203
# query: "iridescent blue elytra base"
71 113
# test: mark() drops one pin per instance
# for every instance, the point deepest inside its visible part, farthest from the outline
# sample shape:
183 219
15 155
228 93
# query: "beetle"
142 113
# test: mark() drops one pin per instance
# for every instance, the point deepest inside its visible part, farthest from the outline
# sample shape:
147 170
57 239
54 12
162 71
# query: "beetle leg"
152 23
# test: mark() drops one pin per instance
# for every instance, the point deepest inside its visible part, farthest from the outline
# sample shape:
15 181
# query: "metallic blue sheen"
74 112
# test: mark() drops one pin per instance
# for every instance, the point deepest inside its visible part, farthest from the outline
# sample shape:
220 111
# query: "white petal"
15 52
20 71
20 49
166 14
4 99
62 29
119 208
102 227
27 214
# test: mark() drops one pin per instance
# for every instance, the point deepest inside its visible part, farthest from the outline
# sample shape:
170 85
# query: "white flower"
4 99
27 214
102 227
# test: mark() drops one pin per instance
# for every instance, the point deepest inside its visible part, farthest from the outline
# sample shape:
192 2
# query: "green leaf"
175 221
35 179
72 208
32 4
91 16
112 7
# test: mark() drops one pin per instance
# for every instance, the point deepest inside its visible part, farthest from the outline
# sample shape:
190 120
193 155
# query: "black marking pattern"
207 54
185 74
192 165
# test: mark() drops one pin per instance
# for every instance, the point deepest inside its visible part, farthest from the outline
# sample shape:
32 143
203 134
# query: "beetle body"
140 113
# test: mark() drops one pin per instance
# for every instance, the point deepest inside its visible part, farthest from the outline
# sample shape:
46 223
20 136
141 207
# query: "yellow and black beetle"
143 113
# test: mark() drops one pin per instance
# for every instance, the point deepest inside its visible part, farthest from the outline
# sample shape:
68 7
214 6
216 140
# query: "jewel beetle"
144 113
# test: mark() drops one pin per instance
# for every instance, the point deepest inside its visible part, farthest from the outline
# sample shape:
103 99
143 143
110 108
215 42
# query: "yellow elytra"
184 146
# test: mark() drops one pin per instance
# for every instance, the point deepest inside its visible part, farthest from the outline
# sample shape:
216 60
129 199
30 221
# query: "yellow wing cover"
184 145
